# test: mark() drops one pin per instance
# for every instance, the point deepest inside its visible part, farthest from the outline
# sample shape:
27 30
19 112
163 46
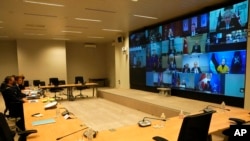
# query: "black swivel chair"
196 127
42 83
79 79
7 135
36 83
54 81
26 83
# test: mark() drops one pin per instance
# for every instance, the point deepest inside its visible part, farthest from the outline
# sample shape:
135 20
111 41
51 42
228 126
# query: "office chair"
80 80
7 135
62 82
54 81
42 83
195 127
228 133
36 83
26 83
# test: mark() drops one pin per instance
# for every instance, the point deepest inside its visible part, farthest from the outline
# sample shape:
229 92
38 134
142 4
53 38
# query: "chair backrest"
26 83
5 132
42 83
195 127
79 79
36 82
62 82
54 81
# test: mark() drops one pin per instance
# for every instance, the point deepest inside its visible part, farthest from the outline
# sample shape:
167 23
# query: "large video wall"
205 52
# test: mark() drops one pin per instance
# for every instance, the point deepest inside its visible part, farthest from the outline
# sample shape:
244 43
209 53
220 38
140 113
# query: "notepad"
45 121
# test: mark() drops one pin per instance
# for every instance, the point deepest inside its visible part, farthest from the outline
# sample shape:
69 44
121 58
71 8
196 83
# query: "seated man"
19 86
186 68
229 21
196 69
12 101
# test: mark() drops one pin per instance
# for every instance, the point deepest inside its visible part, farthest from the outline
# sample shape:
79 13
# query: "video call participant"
196 69
229 20
193 29
223 68
196 48
186 68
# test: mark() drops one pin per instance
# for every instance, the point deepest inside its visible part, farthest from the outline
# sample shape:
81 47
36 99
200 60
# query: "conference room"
112 40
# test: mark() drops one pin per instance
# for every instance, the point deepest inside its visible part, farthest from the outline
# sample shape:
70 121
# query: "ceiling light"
79 32
147 17
114 30
60 38
33 34
96 37
90 20
43 3
134 0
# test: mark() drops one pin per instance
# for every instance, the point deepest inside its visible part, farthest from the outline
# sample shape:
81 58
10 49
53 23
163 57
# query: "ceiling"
32 19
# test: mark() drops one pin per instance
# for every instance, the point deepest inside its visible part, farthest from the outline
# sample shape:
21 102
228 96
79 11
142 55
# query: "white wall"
110 54
122 64
86 62
41 59
8 59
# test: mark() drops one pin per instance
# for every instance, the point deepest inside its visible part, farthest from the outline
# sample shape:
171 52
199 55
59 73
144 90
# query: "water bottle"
181 114
163 118
90 134
223 106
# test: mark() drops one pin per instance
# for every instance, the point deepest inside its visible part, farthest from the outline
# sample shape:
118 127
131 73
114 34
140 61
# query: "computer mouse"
158 138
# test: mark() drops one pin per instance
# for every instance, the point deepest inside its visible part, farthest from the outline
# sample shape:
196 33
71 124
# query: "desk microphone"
145 123
71 133
209 109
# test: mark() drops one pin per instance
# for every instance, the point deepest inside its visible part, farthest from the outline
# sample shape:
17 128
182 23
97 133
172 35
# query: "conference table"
70 87
63 127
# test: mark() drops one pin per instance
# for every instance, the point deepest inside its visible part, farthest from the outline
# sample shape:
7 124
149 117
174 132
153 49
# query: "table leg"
70 94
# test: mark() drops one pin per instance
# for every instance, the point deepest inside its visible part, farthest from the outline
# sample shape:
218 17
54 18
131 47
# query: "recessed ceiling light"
134 0
60 38
79 32
114 30
43 3
90 20
96 37
33 34
147 17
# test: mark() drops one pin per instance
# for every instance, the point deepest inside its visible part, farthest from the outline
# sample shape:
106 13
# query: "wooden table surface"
50 132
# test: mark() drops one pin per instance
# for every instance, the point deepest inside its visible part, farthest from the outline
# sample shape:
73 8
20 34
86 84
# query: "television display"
201 53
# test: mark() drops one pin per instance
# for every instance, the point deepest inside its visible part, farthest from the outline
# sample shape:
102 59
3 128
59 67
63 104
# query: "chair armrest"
238 121
26 132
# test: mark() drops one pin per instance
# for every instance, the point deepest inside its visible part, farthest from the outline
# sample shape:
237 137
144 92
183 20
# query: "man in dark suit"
13 102
196 69
196 48
229 21
193 29
186 69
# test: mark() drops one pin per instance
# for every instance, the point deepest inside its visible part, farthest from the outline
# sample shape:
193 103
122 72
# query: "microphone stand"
71 133
145 123
207 109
